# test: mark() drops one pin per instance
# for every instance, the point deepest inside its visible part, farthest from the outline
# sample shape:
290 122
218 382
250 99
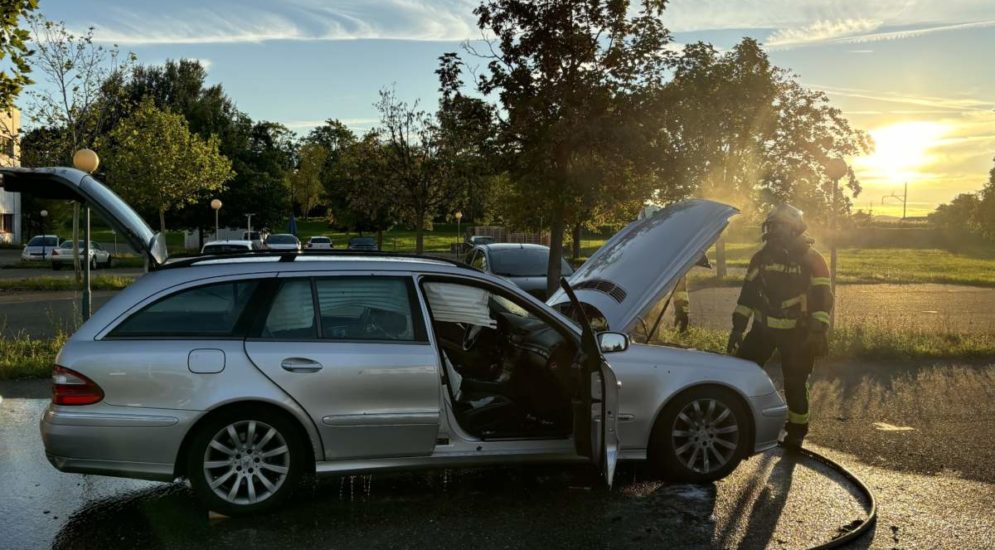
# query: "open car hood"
75 185
639 264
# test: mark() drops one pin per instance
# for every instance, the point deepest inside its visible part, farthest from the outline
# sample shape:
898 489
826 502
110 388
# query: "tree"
411 148
75 102
574 79
13 45
155 163
985 213
366 187
305 182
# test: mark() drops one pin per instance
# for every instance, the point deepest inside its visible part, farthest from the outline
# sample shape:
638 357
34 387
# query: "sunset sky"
916 74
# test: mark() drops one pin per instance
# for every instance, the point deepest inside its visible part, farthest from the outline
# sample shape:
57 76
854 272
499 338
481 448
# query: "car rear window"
322 240
43 241
204 311
281 239
523 262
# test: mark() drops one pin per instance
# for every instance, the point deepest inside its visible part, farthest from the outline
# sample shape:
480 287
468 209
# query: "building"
10 203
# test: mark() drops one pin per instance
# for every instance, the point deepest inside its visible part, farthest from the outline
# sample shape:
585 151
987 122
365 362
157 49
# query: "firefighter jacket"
786 288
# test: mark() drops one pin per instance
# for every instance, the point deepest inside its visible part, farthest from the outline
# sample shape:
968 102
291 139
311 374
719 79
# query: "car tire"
247 478
700 436
93 264
107 264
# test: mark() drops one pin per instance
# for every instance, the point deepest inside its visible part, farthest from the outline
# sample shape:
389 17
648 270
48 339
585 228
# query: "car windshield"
281 239
43 241
523 262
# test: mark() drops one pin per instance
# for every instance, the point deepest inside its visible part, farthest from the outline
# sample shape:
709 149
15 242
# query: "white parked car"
229 247
63 255
320 243
283 241
40 247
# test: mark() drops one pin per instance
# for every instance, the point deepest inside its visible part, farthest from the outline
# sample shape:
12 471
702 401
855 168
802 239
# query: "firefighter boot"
794 435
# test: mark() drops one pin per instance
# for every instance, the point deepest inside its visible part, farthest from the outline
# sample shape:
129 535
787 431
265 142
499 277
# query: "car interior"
508 372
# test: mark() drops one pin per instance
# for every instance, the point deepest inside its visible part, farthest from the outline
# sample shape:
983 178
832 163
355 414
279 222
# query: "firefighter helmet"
784 218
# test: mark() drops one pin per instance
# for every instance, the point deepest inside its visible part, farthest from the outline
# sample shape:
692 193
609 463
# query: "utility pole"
904 198
249 224
87 161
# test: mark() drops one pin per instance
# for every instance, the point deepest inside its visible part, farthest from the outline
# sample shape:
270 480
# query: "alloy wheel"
705 435
246 462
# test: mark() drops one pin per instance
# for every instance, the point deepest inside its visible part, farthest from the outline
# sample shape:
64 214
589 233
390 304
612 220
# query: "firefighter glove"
735 341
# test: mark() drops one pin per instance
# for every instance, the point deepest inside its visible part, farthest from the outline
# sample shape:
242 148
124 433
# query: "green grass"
866 341
24 357
97 282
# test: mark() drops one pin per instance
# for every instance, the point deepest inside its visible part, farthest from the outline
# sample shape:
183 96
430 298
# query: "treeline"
969 215
576 114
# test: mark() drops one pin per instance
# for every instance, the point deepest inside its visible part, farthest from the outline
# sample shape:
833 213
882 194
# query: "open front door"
595 401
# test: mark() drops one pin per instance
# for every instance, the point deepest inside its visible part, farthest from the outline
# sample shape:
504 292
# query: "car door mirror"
613 342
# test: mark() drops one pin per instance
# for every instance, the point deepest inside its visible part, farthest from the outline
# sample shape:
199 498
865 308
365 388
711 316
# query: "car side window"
204 311
369 308
291 315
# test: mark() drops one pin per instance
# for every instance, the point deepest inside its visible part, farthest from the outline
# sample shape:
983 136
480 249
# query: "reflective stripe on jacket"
785 288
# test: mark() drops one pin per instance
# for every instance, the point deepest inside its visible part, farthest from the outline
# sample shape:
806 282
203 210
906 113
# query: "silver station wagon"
244 373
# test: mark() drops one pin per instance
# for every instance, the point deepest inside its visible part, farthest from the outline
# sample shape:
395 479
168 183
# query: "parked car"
283 241
523 264
40 247
245 375
320 243
367 244
474 240
63 255
229 247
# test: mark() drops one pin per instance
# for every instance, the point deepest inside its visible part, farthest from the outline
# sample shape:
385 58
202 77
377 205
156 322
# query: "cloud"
820 31
966 105
230 21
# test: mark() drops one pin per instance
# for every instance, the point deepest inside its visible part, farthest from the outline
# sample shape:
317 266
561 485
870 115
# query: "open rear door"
595 402
75 185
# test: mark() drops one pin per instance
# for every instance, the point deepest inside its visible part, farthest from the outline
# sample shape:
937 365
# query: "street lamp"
836 168
44 214
459 244
87 161
216 205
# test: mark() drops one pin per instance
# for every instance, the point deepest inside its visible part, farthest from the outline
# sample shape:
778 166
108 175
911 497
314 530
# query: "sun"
901 151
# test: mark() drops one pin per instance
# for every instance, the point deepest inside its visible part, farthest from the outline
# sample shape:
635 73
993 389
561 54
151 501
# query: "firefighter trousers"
797 362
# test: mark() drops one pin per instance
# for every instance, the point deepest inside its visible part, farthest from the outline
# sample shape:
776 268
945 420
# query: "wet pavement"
770 501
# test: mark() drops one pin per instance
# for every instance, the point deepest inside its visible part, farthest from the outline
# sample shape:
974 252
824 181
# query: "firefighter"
682 305
787 292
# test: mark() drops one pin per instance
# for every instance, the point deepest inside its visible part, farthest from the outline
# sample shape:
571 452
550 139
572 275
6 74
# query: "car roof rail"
291 255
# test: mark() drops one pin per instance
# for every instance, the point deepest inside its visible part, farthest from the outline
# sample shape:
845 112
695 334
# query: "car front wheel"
244 462
700 436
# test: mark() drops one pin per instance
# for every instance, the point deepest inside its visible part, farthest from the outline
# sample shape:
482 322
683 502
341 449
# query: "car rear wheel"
700 436
245 461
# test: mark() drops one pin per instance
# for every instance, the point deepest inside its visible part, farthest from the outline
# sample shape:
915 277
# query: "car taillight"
72 388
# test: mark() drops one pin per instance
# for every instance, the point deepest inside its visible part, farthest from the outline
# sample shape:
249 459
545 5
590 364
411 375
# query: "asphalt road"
42 314
953 308
770 501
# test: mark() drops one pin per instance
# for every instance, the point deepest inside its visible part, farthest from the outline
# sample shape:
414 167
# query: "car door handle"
300 364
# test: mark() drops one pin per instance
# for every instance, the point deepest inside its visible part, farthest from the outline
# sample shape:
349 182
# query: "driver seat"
480 413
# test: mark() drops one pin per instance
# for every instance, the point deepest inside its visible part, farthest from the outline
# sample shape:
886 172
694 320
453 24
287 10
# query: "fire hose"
872 515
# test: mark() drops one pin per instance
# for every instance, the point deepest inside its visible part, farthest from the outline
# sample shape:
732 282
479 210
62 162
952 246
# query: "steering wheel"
470 335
